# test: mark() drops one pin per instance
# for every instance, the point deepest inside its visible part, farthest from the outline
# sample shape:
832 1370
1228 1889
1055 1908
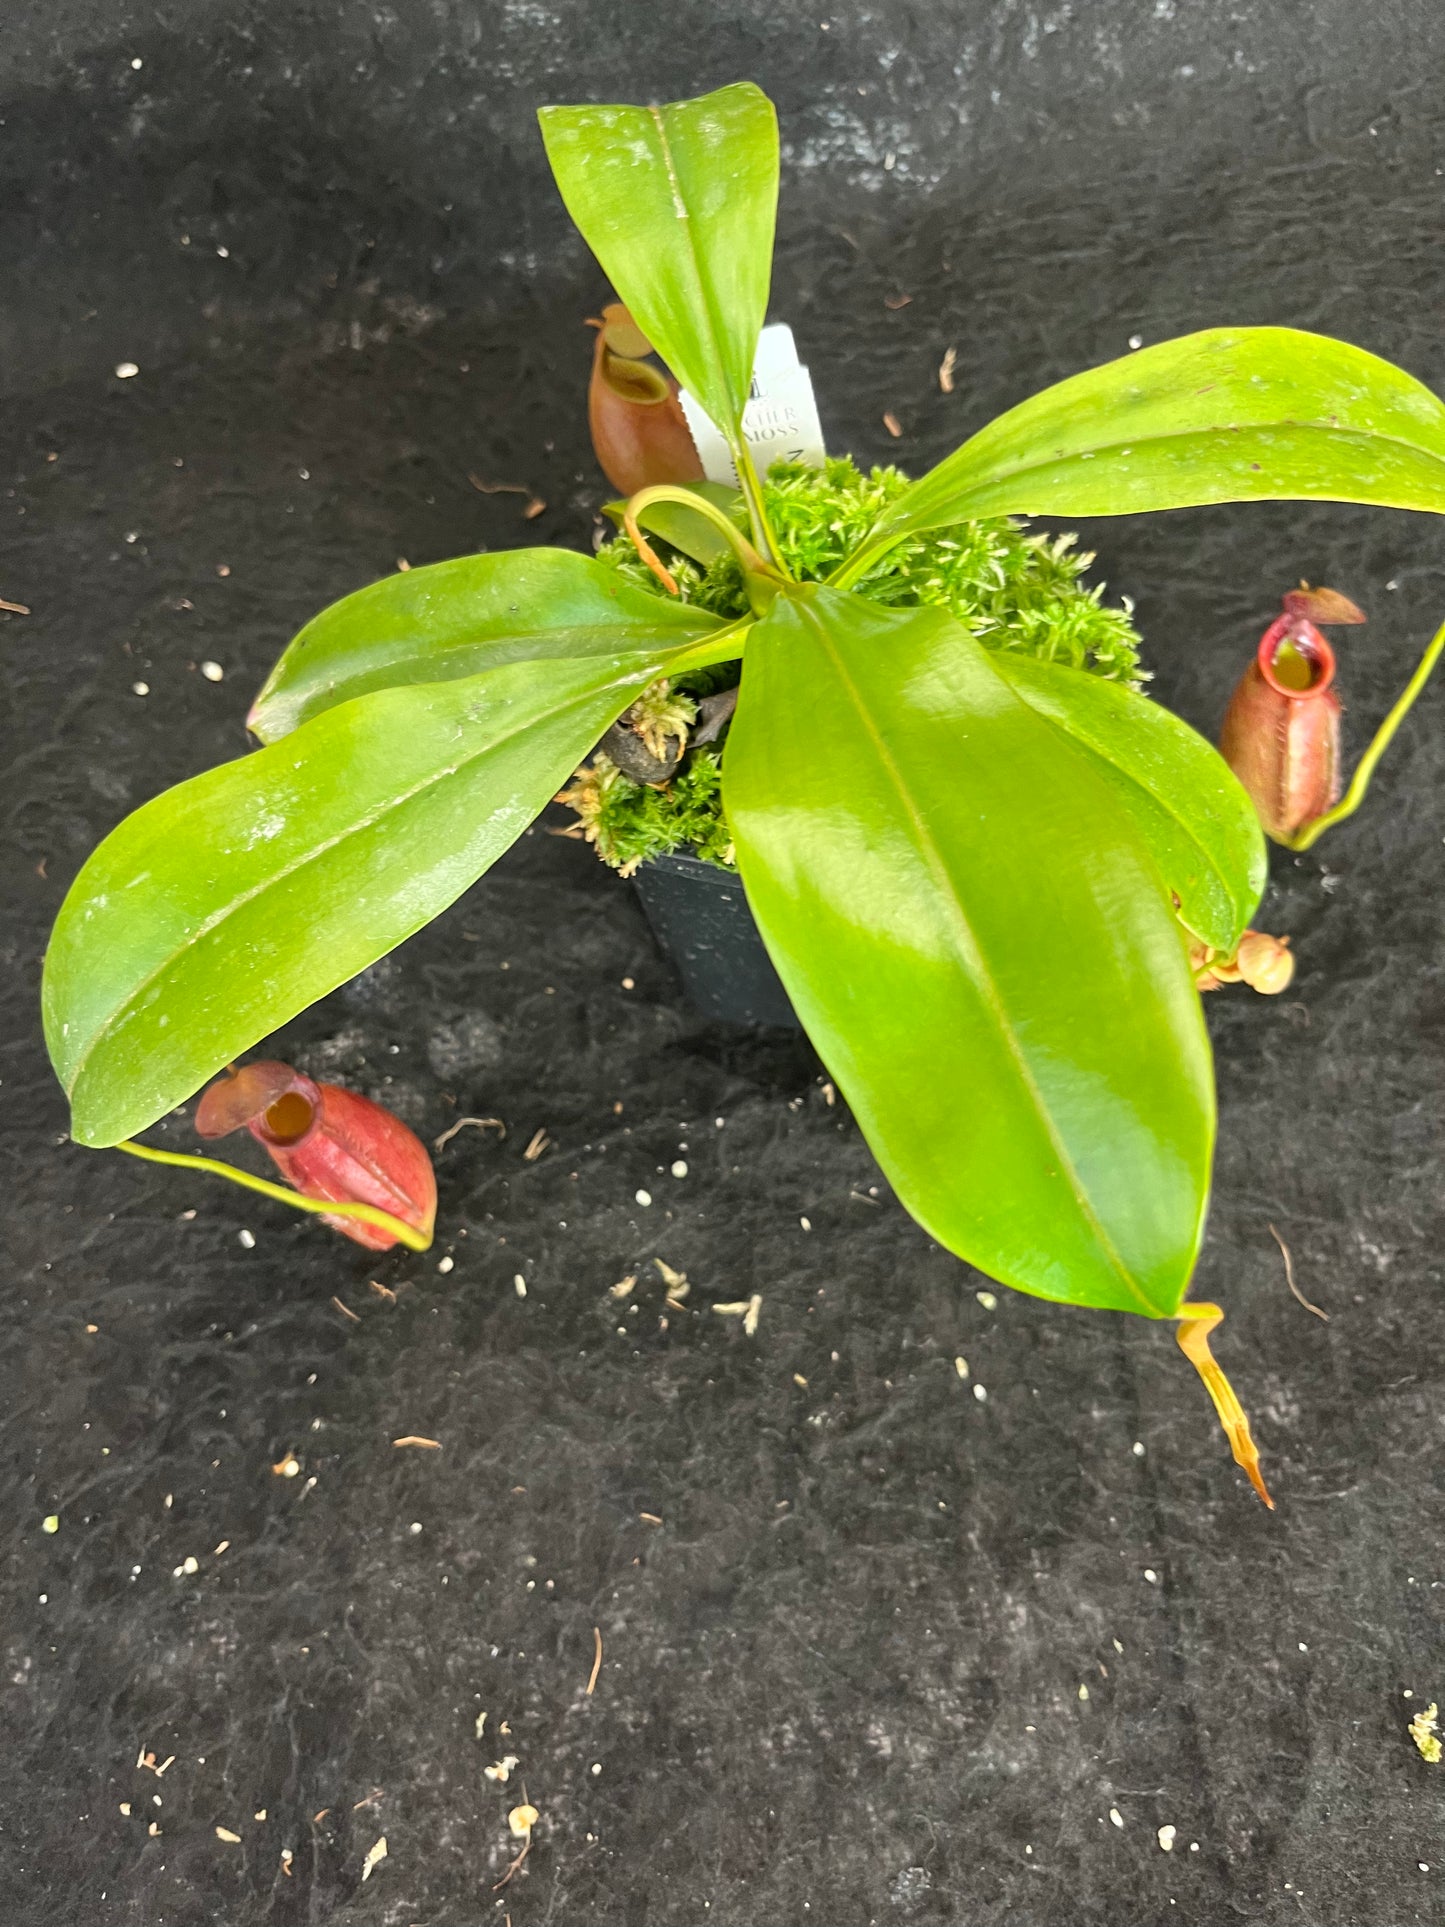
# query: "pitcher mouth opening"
1295 660
278 1104
288 1120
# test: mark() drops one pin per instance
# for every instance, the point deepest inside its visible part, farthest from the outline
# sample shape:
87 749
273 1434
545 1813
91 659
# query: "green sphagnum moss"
1009 589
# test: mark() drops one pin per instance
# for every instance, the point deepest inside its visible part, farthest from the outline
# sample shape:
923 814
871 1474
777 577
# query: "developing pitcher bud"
639 432
328 1143
1281 733
1263 962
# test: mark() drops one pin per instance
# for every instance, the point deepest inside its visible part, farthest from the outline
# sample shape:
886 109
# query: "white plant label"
780 422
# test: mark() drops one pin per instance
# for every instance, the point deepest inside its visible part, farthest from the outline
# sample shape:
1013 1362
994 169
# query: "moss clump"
627 822
1011 590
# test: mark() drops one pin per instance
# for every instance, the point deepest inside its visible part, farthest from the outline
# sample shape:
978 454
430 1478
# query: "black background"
841 1678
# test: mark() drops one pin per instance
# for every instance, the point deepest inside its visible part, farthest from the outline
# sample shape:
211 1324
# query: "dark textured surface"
841 1678
703 925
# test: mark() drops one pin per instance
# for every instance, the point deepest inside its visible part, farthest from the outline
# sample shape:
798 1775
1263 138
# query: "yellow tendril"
406 1234
1196 1322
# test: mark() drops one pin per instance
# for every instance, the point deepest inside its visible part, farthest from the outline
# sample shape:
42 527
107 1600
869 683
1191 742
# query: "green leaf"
455 619
692 535
1228 415
678 204
1187 805
222 908
980 947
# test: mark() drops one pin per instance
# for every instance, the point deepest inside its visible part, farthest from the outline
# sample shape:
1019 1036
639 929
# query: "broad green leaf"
455 619
978 943
1188 806
222 908
1228 415
692 535
678 204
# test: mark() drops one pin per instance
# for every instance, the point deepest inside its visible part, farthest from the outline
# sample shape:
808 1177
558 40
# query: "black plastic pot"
702 922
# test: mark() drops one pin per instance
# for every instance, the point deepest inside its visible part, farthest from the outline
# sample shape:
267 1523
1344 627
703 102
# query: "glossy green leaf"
980 947
455 619
678 204
1200 825
692 535
1228 415
222 908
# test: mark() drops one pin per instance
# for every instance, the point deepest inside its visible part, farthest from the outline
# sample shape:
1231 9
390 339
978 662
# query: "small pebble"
136 65
1137 1448
445 1264
628 983
644 1197
141 688
1151 1575
806 1223
124 370
414 1528
679 1169
52 1524
247 1239
1167 1837
1116 1818
212 671
1136 341
980 1393
987 1300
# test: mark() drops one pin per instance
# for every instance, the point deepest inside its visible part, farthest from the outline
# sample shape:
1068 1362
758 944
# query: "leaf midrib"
704 292
969 944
